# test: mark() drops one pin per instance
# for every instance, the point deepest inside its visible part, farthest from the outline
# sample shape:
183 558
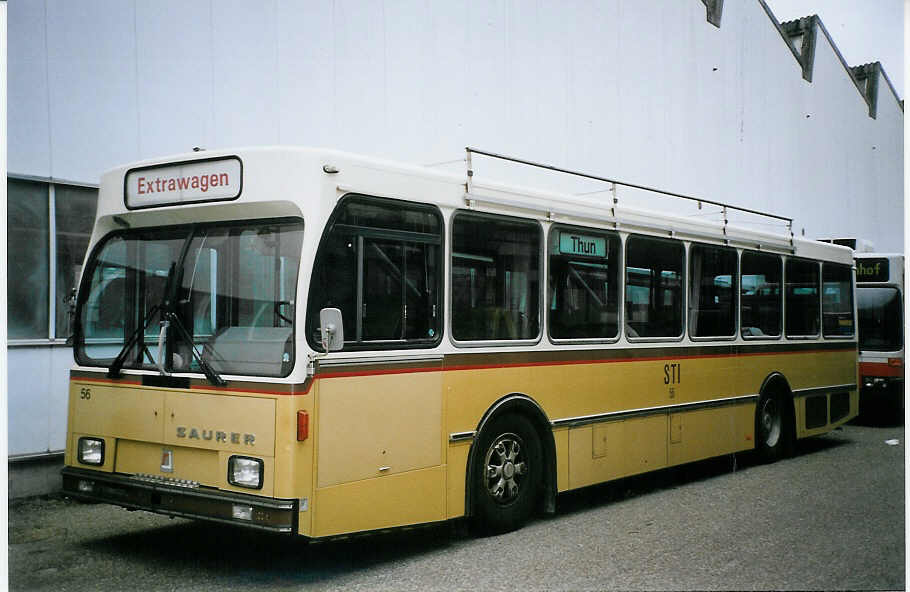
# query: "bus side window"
760 296
802 298
654 292
379 263
583 283
837 300
495 278
712 286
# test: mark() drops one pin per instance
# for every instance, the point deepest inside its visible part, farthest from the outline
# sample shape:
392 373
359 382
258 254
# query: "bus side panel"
563 391
814 369
700 434
415 497
616 449
379 436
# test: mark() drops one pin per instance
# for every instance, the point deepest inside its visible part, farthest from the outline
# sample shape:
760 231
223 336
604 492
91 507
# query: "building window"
27 257
41 246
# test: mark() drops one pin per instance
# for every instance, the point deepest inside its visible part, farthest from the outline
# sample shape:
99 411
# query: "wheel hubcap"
770 422
506 468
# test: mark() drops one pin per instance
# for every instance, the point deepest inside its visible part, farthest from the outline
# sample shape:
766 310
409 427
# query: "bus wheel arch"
524 407
775 419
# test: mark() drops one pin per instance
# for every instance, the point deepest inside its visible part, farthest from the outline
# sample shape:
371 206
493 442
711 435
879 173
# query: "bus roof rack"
614 183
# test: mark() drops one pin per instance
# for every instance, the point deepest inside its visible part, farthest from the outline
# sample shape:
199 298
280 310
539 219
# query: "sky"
863 30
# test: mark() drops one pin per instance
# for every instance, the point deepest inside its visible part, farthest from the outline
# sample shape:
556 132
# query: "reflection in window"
712 286
129 275
802 301
232 298
27 259
760 297
837 300
495 278
238 298
584 283
654 294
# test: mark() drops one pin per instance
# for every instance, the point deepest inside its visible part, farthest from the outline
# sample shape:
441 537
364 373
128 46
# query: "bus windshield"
227 292
879 319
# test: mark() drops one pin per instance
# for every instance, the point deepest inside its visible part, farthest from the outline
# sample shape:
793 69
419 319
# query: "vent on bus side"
816 411
840 405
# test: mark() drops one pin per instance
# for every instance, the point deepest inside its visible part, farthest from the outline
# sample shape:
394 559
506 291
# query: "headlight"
91 451
244 471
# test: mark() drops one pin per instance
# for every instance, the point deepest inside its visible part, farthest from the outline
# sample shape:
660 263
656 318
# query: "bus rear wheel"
772 427
507 474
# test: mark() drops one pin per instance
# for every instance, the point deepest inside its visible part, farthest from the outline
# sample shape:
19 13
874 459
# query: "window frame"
620 289
683 289
541 274
378 233
781 262
735 288
818 287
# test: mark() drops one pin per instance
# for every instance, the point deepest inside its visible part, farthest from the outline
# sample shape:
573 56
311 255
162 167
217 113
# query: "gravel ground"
831 517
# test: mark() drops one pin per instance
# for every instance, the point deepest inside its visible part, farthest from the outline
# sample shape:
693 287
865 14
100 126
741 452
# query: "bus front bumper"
189 501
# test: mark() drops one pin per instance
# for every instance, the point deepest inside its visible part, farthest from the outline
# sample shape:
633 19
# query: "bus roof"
277 181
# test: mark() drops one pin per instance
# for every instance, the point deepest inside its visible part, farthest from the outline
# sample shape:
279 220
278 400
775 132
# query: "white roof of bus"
271 168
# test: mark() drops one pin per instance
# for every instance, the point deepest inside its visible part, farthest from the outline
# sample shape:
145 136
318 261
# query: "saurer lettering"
191 433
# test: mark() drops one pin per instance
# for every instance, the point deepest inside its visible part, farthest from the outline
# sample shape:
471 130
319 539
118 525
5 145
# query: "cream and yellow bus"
313 342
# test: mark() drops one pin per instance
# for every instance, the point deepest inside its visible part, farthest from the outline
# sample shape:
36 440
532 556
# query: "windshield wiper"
207 369
114 370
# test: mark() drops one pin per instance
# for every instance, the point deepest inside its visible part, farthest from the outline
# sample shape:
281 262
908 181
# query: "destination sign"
872 270
571 243
188 182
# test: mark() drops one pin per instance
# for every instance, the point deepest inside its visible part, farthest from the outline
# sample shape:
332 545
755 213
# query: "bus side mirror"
331 329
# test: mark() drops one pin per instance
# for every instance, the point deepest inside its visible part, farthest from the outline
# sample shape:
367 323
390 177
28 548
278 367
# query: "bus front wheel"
507 473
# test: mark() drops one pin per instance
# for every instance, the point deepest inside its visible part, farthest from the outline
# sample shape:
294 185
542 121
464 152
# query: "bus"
880 304
312 342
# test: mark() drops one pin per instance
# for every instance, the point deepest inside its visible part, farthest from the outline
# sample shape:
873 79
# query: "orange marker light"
896 362
303 426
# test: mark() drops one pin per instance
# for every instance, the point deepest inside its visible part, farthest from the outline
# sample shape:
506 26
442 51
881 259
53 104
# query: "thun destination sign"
579 244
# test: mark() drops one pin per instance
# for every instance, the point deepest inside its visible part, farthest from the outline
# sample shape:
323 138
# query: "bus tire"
507 474
773 430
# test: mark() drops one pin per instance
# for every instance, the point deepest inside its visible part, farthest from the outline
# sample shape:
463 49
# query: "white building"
703 97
